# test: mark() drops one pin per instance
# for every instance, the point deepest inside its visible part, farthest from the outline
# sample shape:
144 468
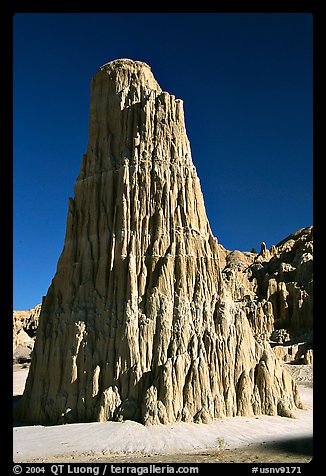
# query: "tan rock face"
274 289
138 323
285 279
25 324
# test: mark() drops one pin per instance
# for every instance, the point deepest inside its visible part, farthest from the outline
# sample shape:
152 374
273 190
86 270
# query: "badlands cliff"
138 322
25 325
275 287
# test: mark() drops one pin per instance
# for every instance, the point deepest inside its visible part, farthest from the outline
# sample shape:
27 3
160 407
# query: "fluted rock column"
137 323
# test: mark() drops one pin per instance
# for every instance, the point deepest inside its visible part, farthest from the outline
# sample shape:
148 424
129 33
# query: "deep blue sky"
246 83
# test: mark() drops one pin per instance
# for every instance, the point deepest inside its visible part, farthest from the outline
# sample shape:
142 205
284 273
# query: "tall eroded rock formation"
137 323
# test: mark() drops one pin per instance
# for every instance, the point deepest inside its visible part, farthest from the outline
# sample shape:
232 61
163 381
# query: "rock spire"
137 323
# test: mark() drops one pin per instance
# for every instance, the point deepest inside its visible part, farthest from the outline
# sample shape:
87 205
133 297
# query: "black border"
7 12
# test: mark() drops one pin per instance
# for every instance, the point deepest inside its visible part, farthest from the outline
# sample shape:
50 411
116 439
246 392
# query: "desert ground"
257 439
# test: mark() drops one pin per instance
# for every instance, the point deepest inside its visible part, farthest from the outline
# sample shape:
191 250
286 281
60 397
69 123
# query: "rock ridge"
275 290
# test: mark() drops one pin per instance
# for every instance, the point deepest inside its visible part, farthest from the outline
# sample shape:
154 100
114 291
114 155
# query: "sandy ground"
239 439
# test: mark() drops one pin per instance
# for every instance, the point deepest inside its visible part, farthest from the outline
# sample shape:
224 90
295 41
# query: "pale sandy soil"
239 439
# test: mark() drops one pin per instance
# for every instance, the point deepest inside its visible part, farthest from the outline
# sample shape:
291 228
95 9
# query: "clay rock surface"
276 285
138 323
25 324
275 290
284 276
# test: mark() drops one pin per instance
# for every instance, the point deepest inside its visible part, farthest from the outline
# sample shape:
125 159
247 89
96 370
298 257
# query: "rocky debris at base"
302 373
